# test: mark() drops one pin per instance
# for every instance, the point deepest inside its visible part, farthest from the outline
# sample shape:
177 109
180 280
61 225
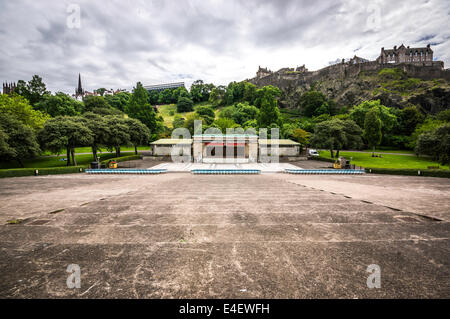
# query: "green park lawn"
53 161
387 161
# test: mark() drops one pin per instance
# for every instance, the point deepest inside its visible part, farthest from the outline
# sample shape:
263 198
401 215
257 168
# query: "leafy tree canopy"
59 104
20 109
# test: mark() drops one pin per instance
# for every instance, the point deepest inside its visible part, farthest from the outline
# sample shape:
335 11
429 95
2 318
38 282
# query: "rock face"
424 85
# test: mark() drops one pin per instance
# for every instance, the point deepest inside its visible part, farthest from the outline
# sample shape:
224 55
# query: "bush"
185 105
19 172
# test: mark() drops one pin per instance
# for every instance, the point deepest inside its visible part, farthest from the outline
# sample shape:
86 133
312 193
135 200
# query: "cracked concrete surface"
186 236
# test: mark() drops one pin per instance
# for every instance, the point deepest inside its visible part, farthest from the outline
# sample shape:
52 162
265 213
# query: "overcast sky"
114 44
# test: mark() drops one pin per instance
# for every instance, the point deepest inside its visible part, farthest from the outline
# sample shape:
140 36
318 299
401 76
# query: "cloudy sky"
114 44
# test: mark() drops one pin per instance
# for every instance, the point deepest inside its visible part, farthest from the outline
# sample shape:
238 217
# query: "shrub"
122 159
185 105
410 172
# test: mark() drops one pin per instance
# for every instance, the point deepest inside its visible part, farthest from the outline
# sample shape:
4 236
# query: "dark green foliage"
410 172
206 113
185 104
444 116
372 128
67 133
314 103
436 144
269 113
92 102
59 104
178 121
337 134
33 91
118 101
139 108
17 141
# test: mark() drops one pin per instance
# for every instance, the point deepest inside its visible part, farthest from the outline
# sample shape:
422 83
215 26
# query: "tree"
92 103
118 101
372 129
185 105
17 141
436 143
409 118
33 91
118 133
139 133
178 121
269 112
388 120
217 96
59 104
301 136
139 108
223 124
444 116
243 112
20 109
196 91
165 97
336 134
100 132
100 91
314 103
64 132
190 122
207 113
181 91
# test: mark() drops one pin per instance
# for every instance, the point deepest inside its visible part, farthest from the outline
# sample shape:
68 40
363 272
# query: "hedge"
122 159
411 172
18 172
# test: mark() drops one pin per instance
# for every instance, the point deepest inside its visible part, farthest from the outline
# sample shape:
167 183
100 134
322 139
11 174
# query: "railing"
225 171
126 171
325 171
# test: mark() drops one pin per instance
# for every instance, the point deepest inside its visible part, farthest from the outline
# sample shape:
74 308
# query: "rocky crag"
426 85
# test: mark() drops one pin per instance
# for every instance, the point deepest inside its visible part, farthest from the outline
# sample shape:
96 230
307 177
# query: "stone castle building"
9 88
404 54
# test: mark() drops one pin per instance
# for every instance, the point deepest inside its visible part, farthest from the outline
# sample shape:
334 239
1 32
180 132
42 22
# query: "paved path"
186 236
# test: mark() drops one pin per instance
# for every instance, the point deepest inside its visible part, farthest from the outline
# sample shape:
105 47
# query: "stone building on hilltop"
9 88
404 54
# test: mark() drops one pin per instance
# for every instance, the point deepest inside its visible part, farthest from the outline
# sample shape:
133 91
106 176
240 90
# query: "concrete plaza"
186 236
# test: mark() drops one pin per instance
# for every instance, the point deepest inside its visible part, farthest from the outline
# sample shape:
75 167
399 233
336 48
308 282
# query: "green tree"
336 134
196 91
178 121
119 133
269 112
217 96
436 143
92 103
118 101
20 109
67 133
185 104
313 103
388 120
165 97
207 113
372 129
139 133
301 136
444 116
100 132
59 104
33 91
100 91
224 123
190 122
409 118
139 108
17 141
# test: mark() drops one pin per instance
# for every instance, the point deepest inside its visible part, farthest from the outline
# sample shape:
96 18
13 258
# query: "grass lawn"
165 111
54 161
387 161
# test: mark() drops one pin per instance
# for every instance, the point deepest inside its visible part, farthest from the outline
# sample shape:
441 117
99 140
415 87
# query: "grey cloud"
124 41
